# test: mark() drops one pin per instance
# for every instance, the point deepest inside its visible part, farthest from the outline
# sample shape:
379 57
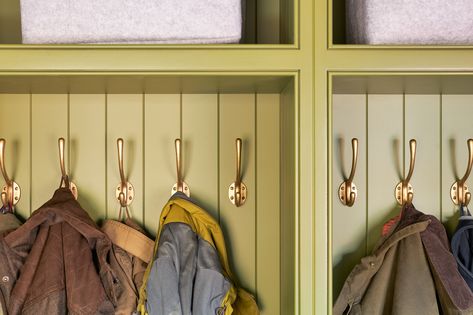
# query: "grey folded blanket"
433 22
136 21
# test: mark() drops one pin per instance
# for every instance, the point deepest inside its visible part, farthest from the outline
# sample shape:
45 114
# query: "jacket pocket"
210 289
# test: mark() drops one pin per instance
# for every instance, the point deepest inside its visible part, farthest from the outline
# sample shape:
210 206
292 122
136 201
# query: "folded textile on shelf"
423 22
140 21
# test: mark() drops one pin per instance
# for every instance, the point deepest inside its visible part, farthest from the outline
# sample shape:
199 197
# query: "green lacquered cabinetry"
261 91
384 96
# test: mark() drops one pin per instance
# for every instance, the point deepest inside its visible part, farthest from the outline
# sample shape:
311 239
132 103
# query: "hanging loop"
11 192
125 191
347 191
404 192
65 182
180 185
459 192
237 191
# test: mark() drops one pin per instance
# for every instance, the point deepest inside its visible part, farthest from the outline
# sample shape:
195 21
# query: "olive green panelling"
271 91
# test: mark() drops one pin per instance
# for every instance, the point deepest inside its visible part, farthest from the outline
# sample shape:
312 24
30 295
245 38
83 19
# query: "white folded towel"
410 22
130 21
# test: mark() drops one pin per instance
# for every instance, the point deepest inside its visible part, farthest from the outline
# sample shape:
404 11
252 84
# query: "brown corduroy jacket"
410 272
56 262
8 222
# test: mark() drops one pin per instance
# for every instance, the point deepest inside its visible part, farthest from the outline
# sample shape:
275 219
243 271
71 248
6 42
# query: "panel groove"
218 159
143 155
106 156
366 173
68 137
180 118
403 151
256 195
31 152
441 155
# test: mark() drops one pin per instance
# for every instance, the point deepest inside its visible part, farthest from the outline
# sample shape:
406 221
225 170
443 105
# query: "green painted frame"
327 252
294 97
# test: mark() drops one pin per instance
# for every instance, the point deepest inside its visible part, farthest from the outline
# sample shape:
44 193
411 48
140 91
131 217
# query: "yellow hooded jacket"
190 273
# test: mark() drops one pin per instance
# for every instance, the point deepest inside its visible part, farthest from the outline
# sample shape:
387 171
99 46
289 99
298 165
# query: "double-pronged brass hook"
125 191
404 192
11 192
347 191
65 178
180 185
459 192
237 191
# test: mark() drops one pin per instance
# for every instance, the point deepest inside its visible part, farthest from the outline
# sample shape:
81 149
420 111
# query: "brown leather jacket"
56 262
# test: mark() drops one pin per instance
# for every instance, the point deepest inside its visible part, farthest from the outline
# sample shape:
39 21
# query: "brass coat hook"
65 178
125 191
11 192
404 192
347 191
459 192
180 185
237 191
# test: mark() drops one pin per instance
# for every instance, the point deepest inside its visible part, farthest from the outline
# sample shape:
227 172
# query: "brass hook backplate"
180 185
404 192
125 191
347 191
459 192
237 192
11 192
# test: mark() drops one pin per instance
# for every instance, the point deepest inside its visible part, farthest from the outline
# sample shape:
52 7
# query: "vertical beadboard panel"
349 244
88 151
49 122
200 137
125 120
288 196
457 128
15 128
267 203
237 120
162 127
385 152
422 122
